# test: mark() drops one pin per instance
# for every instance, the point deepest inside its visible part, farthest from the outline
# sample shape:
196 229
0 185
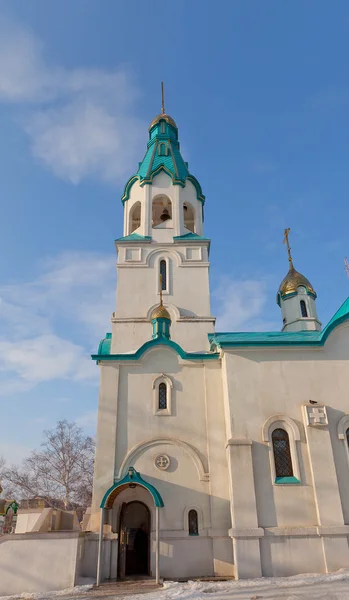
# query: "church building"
218 454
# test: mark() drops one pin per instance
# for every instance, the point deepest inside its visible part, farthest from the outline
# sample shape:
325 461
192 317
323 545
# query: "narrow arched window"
347 435
282 453
163 274
162 396
193 525
163 127
303 309
162 150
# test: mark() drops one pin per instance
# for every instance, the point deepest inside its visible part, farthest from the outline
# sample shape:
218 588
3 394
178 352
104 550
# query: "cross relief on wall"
316 415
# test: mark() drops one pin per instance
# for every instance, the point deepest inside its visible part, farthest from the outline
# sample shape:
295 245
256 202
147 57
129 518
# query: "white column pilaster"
157 545
329 512
245 531
177 211
100 548
146 211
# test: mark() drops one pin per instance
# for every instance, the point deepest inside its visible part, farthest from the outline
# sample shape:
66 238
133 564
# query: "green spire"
163 154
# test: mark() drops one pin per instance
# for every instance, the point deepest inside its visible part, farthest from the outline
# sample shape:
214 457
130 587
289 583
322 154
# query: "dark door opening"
134 540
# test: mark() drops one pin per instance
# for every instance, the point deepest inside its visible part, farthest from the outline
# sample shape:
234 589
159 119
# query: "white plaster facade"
225 398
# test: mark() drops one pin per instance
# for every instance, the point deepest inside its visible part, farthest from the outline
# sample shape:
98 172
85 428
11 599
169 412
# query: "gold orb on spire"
160 312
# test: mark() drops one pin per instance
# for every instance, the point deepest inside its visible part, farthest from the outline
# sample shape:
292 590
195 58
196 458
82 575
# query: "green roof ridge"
281 338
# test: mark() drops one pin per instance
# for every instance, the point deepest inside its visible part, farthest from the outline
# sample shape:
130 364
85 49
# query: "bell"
165 215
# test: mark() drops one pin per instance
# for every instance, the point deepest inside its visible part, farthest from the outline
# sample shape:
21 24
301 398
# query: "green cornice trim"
286 480
128 187
281 338
133 478
292 295
191 236
152 344
200 196
134 237
149 179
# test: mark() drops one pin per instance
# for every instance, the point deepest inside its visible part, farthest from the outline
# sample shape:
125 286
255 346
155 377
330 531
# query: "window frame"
291 428
287 450
197 522
165 291
200 518
162 412
303 307
162 385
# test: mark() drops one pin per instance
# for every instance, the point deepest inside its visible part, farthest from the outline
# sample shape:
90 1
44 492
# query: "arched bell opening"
135 217
189 217
161 210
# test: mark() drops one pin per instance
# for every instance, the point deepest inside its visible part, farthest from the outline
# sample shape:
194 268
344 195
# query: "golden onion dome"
165 117
160 312
292 281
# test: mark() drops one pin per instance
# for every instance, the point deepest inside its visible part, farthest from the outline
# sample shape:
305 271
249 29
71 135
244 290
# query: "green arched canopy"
132 478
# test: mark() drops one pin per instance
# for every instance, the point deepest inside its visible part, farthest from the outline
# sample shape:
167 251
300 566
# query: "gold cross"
160 290
286 234
162 98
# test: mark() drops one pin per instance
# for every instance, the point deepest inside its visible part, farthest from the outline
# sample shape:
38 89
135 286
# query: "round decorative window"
162 462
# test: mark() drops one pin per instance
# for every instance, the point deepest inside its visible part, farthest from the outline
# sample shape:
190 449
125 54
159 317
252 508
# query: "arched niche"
161 210
135 217
189 216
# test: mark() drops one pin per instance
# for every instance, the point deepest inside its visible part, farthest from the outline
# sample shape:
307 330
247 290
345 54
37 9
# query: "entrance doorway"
134 540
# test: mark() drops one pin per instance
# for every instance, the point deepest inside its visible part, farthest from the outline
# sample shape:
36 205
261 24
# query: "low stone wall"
38 562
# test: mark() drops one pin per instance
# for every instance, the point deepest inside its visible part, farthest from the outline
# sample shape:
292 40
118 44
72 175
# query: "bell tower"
163 235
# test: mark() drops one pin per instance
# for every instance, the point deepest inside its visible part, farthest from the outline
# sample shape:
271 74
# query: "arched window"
189 217
347 435
303 309
162 127
162 396
282 453
162 150
135 217
161 211
193 525
163 274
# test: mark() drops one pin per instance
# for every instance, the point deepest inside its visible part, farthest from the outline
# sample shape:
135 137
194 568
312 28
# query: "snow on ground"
333 586
71 592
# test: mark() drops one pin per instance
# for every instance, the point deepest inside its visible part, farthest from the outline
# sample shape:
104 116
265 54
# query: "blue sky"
260 93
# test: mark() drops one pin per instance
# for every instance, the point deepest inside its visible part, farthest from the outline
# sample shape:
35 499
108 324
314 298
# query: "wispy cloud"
241 304
80 121
50 324
88 420
264 166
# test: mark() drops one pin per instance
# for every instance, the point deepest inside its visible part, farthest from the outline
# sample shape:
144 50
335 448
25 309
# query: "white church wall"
106 435
138 280
136 421
285 556
280 382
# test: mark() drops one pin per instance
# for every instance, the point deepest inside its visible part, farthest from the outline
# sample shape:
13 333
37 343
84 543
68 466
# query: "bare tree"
61 472
7 490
